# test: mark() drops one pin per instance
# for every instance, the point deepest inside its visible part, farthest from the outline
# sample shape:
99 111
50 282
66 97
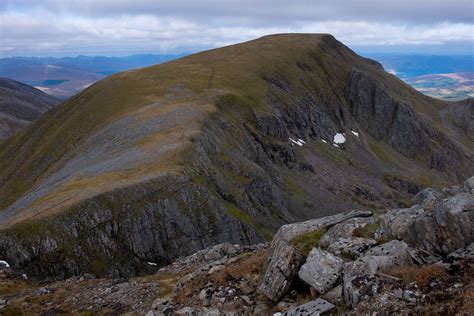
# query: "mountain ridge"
172 158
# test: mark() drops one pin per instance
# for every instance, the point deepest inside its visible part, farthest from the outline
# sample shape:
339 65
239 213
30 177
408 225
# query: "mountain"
220 146
64 77
20 104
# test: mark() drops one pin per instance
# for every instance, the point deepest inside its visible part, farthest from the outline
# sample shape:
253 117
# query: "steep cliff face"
224 145
20 104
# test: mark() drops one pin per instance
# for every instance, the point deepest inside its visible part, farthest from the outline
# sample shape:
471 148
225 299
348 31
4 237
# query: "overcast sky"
119 27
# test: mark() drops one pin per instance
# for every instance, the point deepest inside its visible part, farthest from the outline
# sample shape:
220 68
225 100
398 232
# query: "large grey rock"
426 198
285 260
316 307
359 277
352 247
395 223
345 230
469 185
448 227
463 253
392 253
321 270
283 267
334 295
290 231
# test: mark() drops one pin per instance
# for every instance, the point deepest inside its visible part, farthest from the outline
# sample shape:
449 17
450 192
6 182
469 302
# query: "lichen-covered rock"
426 198
334 295
466 253
321 270
352 247
282 269
395 223
360 276
285 259
316 307
448 227
345 230
469 185
290 231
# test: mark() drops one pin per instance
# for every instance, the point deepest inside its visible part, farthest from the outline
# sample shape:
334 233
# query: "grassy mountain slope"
150 164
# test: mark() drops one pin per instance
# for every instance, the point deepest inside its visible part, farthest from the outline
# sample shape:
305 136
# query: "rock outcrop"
358 263
357 267
321 270
286 259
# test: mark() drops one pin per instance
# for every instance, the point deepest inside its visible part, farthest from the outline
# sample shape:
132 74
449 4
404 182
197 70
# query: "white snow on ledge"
4 264
324 141
355 133
339 139
298 142
152 263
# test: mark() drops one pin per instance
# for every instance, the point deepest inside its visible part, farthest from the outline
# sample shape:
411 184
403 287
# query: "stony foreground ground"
413 260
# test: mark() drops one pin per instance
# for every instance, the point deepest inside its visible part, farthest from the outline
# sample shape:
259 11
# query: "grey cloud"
267 11
52 27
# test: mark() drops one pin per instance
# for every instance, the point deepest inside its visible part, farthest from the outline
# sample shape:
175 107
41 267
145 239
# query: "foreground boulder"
469 185
360 276
315 307
448 227
351 247
321 270
426 197
396 223
286 259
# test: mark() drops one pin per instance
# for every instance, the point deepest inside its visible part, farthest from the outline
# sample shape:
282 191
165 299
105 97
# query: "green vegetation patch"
382 153
367 231
293 187
308 241
239 213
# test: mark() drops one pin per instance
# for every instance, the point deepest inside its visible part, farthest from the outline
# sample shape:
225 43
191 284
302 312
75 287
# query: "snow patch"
339 138
298 142
336 145
324 141
152 263
4 264
355 133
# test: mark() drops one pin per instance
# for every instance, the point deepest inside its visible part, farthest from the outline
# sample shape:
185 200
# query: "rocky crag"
418 260
222 146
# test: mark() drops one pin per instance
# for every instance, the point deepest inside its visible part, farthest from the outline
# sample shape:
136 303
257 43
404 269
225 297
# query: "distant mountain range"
64 77
449 77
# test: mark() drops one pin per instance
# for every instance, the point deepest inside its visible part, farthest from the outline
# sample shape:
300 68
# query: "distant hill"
20 104
63 77
413 65
448 77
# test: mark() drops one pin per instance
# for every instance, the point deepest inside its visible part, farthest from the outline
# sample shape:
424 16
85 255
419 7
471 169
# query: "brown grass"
248 267
421 275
